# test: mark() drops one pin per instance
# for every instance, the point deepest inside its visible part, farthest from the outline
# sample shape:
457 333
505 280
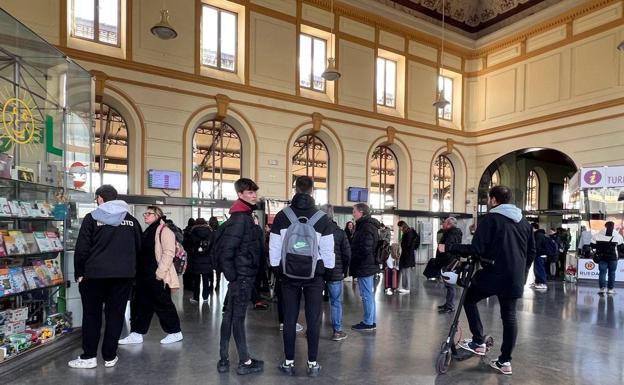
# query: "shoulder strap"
316 217
290 214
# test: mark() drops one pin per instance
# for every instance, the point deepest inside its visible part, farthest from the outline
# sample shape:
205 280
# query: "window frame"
530 189
98 114
384 150
218 67
450 100
440 183
315 140
312 39
385 75
96 24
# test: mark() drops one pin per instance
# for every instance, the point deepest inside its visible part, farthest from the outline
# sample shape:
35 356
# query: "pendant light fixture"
441 102
163 29
331 73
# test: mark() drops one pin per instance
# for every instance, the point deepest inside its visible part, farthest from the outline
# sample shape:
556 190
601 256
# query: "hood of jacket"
240 206
368 219
201 230
303 201
508 210
111 212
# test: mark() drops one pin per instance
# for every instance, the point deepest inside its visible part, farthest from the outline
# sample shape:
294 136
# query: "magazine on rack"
31 244
5 209
55 242
42 241
5 282
54 267
42 272
3 252
32 278
18 241
18 282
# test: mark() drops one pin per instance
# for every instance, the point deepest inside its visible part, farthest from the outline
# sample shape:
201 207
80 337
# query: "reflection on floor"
568 335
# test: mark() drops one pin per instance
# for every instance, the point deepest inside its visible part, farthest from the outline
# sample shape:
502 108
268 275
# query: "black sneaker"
314 370
288 369
503 367
364 327
447 309
223 365
255 366
442 307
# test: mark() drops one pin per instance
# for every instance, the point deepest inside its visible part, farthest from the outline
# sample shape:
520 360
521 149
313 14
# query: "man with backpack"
237 248
542 242
301 244
409 243
200 263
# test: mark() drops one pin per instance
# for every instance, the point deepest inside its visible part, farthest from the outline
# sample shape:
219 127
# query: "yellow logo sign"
18 121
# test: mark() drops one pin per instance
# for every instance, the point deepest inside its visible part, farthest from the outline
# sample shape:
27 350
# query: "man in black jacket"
504 237
239 249
312 288
334 277
363 265
451 235
105 265
409 243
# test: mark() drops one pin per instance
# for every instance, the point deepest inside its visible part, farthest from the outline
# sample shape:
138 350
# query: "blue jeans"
335 302
539 269
368 298
603 266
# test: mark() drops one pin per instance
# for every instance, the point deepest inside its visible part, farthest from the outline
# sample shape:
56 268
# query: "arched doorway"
309 156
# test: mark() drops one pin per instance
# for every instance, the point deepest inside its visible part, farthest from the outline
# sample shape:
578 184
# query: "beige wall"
552 77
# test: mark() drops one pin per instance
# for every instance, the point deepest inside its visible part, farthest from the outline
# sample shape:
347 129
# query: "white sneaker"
298 327
348 279
611 291
403 291
281 327
388 291
602 290
541 287
132 338
79 363
532 286
193 301
111 363
171 338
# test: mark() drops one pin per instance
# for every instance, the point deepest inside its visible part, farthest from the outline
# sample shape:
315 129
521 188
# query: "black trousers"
207 279
508 316
151 296
280 298
234 313
312 290
112 295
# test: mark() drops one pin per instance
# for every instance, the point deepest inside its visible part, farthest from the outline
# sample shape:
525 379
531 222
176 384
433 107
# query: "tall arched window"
111 148
443 181
566 193
495 179
309 157
216 160
532 191
384 172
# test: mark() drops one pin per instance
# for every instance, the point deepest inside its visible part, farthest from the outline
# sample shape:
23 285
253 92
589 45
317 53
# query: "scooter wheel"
443 362
489 342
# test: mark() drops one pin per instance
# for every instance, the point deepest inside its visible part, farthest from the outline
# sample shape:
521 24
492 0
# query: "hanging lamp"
441 102
163 29
331 73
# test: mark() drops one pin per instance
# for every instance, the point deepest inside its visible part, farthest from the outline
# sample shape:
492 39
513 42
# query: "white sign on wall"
587 269
599 177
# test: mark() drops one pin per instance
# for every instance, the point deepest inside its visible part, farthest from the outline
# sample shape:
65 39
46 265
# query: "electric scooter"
448 350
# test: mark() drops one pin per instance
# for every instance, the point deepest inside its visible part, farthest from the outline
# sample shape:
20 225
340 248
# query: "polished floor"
568 335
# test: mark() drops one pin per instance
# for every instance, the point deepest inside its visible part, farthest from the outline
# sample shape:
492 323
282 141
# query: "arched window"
443 180
216 160
495 179
111 148
384 172
309 157
532 191
566 193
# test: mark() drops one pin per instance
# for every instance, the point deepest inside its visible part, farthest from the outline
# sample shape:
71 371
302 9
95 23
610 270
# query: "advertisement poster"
587 269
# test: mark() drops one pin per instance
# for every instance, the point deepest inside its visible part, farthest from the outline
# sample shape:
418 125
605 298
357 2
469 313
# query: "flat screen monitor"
357 194
164 179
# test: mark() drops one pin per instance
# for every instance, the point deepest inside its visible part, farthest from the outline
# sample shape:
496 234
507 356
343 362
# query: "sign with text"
599 177
588 269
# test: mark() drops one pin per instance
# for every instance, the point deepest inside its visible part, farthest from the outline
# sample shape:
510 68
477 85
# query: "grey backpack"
300 249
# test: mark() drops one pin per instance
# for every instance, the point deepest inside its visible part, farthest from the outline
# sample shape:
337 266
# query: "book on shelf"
5 282
6 163
14 207
18 281
42 241
41 209
55 242
3 252
31 244
54 267
42 272
32 278
19 243
5 209
24 209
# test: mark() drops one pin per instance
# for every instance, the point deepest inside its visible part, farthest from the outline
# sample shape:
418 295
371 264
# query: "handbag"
431 270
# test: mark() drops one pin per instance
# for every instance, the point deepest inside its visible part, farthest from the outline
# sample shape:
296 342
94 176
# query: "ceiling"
472 18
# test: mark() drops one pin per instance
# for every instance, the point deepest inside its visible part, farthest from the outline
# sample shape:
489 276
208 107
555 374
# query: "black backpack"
382 250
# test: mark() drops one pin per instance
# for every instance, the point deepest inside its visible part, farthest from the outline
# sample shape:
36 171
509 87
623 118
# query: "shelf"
31 254
4 218
29 290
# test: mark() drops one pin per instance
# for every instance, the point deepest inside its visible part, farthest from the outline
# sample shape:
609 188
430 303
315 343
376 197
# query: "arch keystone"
223 103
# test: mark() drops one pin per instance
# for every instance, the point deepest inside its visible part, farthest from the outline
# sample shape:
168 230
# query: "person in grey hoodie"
105 266
505 238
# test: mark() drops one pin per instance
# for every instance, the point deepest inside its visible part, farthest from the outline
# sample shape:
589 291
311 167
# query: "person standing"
105 265
199 261
539 265
291 264
187 279
213 222
409 243
452 235
605 244
566 239
349 229
584 243
505 238
363 265
156 277
334 277
239 252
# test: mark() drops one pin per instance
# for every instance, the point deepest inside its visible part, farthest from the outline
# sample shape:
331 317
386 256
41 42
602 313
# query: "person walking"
605 244
105 265
363 265
505 238
302 249
539 265
451 235
200 262
409 243
334 277
156 277
239 251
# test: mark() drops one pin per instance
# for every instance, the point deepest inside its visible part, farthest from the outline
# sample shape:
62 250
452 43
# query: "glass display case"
45 160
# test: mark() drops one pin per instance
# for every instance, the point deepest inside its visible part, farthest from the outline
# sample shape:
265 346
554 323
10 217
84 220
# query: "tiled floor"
568 335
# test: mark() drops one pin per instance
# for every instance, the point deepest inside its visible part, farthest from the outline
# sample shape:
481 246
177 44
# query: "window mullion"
218 39
311 73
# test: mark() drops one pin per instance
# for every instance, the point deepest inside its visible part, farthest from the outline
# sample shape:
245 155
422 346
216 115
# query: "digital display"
357 194
164 179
